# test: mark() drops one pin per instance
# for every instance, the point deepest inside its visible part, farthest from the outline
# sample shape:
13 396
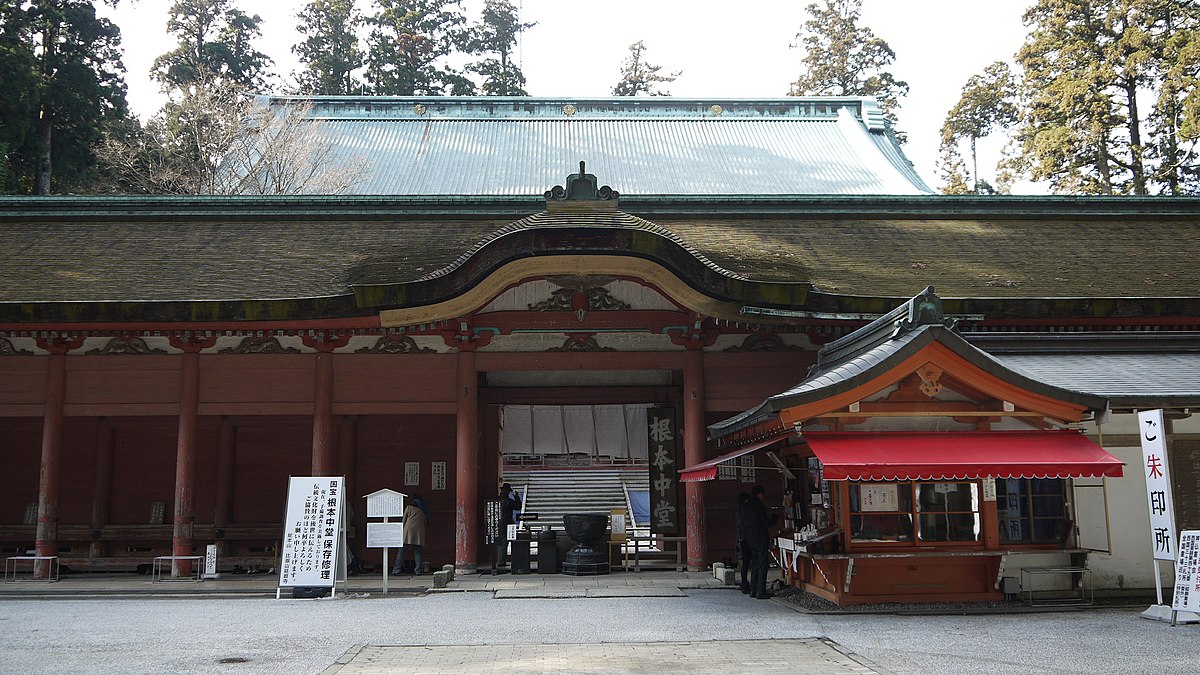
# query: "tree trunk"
1103 169
974 168
1135 139
45 133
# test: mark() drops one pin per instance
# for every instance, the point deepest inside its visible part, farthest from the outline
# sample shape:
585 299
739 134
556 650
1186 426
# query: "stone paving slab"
513 593
644 592
809 656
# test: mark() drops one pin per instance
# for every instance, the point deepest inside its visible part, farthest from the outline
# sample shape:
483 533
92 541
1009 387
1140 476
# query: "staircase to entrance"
553 492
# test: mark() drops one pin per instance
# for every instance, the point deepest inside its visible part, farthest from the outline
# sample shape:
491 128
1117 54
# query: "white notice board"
313 533
385 535
385 503
1187 573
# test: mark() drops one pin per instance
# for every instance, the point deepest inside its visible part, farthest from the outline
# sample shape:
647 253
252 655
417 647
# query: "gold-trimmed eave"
648 271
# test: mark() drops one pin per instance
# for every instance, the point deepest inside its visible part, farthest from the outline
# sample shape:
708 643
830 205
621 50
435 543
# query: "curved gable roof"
887 343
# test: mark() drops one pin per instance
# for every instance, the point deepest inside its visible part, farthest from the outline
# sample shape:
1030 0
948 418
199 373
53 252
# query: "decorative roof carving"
7 349
395 344
762 342
259 345
125 344
562 300
581 343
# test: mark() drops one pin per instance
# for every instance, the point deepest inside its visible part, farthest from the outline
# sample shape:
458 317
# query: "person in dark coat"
756 526
510 505
741 549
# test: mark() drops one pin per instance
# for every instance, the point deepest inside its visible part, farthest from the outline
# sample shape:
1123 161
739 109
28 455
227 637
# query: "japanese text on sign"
438 469
1158 483
312 532
1187 573
664 477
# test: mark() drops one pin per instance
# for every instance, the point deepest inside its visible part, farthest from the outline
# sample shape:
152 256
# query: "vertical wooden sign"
662 436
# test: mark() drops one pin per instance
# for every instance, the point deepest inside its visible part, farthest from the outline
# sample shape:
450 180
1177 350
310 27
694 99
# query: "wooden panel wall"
737 381
385 443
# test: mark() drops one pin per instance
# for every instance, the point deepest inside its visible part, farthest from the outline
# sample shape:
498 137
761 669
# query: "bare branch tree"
215 139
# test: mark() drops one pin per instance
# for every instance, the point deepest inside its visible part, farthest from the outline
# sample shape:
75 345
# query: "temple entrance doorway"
564 459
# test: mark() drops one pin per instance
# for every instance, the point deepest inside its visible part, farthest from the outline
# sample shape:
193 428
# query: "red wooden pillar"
226 452
694 436
324 449
347 459
50 478
466 469
185 463
102 492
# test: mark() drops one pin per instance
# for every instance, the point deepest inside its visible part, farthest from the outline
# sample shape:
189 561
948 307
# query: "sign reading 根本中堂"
312 532
1158 483
664 473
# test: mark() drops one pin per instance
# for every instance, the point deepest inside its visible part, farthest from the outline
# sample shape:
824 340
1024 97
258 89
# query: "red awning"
963 455
708 470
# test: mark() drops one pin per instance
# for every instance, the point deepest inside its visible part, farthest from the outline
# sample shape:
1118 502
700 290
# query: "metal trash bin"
548 558
519 563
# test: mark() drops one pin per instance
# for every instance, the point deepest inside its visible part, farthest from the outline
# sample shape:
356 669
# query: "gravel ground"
255 635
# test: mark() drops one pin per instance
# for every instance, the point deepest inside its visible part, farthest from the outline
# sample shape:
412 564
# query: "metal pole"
385 563
1158 582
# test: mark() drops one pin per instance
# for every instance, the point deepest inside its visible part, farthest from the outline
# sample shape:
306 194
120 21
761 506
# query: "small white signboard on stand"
314 534
385 504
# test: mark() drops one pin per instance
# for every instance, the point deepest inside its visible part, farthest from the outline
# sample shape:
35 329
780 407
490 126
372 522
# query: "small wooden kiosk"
916 467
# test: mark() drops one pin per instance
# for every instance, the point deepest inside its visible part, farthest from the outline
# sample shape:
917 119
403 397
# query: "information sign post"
385 504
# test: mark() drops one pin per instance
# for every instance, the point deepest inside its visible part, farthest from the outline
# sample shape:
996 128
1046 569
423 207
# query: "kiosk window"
1032 510
914 512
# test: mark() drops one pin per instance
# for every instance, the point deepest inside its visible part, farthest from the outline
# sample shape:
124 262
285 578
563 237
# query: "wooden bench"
133 547
646 553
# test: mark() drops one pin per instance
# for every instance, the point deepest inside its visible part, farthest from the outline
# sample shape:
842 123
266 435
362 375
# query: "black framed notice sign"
492 516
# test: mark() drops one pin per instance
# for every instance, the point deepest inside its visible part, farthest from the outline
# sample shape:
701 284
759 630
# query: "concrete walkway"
618 584
810 656
704 630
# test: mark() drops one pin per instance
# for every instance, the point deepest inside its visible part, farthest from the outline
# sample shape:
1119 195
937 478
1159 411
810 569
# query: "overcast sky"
738 49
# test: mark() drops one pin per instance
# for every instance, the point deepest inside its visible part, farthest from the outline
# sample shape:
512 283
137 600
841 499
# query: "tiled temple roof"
647 146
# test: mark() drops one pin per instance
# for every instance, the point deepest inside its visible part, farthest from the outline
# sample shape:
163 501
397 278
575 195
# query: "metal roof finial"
581 187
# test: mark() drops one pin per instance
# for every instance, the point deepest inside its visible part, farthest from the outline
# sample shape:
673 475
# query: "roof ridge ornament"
923 309
581 187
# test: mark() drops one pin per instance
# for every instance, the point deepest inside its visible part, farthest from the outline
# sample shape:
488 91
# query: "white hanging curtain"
617 431
549 437
516 438
579 426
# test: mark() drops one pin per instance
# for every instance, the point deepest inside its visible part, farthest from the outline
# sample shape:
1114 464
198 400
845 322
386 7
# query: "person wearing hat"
510 505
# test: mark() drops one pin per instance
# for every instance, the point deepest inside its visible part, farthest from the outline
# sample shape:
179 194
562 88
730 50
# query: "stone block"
442 578
726 575
449 569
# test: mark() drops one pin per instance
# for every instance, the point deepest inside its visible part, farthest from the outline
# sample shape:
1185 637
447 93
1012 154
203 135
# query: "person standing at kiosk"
756 526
